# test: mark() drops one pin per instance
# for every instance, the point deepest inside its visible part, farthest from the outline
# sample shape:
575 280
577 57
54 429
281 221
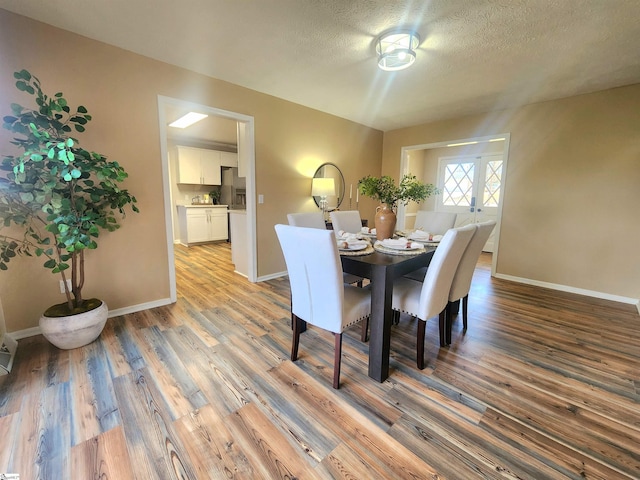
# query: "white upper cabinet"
228 159
198 166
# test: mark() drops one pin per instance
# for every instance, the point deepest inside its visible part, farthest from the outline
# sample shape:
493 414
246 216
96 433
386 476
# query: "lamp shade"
323 187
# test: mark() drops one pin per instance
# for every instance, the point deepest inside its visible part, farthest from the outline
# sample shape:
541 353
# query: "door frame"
404 169
248 121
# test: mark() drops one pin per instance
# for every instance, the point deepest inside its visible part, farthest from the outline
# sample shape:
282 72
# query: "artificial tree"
55 196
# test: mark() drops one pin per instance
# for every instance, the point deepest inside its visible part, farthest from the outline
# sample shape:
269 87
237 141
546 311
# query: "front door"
471 187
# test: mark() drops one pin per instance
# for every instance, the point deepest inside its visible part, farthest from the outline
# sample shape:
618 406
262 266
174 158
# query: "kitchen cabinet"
198 166
202 223
228 159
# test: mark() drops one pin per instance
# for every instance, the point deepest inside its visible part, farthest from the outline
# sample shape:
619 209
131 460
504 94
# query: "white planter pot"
74 331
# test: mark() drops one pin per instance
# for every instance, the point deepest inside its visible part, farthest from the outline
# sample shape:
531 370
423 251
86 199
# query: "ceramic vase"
385 221
74 331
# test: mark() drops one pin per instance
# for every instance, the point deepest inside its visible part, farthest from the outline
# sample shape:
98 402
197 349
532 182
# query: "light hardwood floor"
543 385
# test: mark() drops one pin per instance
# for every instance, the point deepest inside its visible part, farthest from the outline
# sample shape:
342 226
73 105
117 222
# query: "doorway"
246 155
471 187
450 162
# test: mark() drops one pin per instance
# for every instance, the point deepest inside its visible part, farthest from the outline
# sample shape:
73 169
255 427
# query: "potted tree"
55 198
385 190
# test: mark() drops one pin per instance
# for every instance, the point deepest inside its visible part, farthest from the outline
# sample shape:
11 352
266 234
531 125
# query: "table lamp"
323 187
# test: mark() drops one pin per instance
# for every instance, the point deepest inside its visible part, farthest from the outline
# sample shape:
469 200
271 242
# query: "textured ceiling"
474 56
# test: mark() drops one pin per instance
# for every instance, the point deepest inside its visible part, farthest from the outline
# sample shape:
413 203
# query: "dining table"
381 269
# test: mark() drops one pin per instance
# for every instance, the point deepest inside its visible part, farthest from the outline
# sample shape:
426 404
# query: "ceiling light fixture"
188 119
396 50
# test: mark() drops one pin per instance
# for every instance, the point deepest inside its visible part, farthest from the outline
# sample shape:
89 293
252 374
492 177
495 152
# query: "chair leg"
337 356
448 320
297 326
422 326
465 305
359 283
303 326
364 336
443 328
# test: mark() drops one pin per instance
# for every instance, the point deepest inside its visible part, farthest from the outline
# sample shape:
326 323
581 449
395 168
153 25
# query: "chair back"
436 223
309 220
462 280
315 275
437 282
346 220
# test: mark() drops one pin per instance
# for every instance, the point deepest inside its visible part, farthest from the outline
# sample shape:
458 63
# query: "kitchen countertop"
204 205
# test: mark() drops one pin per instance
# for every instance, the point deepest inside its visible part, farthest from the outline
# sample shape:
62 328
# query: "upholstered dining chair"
318 295
461 283
429 298
346 220
434 222
316 220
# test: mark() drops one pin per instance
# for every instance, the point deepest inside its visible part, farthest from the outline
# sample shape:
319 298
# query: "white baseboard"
27 332
30 332
272 276
578 291
141 306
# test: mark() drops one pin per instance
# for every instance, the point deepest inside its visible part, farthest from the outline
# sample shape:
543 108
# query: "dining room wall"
571 194
120 89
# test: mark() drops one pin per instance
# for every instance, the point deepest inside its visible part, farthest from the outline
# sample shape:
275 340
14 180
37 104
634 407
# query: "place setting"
424 238
399 246
353 244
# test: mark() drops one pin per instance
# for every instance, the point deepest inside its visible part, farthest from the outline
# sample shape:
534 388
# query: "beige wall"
120 90
573 187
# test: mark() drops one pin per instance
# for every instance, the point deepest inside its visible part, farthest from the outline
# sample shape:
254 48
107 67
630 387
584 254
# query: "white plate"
399 247
353 248
422 239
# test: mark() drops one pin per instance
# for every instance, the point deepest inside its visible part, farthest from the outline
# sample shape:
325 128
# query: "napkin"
420 235
368 231
352 243
399 243
342 235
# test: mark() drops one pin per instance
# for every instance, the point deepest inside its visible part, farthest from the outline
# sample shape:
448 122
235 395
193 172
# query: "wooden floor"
543 385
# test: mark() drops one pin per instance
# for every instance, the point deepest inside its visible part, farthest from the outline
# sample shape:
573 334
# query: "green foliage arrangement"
56 194
385 190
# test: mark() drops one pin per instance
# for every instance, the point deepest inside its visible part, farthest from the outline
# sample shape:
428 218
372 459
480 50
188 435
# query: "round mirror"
330 170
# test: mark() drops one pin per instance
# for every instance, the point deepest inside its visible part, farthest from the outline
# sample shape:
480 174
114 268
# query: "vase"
385 221
74 331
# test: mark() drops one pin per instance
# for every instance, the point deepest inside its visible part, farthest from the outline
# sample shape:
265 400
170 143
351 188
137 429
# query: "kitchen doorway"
246 157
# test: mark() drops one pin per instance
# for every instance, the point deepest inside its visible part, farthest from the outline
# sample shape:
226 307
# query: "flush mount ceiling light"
396 50
188 119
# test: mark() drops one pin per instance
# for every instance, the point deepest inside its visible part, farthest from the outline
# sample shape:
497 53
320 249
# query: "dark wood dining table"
381 269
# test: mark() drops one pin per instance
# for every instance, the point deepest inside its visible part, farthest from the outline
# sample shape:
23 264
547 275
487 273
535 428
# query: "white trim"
141 306
272 276
33 331
568 289
404 166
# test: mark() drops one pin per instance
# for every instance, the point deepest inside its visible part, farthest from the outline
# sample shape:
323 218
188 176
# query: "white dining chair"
436 223
318 295
429 298
461 284
316 220
346 220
